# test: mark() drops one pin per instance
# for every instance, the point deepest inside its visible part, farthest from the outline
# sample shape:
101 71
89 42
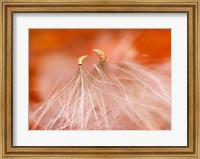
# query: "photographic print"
99 79
94 79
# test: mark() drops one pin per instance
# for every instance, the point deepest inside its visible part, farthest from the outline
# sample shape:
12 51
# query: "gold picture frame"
9 7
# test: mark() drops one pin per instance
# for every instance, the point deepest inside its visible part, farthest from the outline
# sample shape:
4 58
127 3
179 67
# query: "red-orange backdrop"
52 49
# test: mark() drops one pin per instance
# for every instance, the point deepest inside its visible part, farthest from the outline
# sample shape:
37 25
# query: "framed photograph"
84 79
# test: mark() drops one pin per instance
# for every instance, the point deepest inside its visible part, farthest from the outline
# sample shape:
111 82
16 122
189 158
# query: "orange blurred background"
52 50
